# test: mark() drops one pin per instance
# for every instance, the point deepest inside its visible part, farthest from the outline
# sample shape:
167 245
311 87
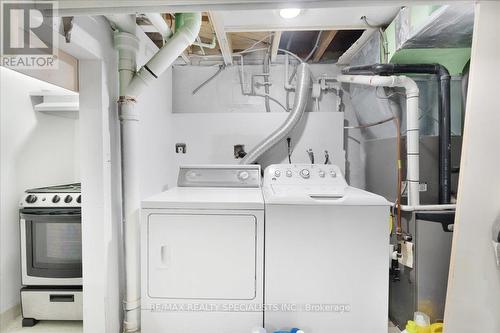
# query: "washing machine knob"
243 175
304 173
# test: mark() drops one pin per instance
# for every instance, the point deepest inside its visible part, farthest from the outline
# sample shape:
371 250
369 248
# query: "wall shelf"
58 103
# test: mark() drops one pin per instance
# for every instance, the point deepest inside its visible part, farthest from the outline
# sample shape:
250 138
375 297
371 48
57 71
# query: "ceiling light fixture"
289 13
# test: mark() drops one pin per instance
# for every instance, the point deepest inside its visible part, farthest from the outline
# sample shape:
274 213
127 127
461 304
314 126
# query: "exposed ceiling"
243 29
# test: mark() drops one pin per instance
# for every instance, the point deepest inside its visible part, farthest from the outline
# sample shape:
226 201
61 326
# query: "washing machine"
202 253
326 258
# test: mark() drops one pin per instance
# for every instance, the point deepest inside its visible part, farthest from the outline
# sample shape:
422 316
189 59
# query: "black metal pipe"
444 111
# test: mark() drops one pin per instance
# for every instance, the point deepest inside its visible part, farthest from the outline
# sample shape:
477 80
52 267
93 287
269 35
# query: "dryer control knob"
243 175
304 173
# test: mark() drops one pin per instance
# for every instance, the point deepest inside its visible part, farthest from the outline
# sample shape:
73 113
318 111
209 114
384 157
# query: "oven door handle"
44 215
62 298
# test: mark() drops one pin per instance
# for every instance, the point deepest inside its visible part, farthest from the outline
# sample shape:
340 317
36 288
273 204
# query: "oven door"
51 247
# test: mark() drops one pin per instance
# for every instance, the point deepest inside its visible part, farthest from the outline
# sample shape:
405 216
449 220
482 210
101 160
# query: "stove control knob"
277 173
304 173
322 174
243 175
68 199
31 198
56 198
289 173
333 174
79 199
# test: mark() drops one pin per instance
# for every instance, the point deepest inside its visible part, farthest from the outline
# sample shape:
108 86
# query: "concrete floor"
393 329
45 327
77 327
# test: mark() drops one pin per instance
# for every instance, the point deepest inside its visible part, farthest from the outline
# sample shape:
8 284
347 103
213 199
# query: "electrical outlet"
239 151
180 148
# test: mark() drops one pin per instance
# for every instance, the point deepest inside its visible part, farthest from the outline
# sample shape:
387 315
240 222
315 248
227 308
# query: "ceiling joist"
222 39
275 45
325 40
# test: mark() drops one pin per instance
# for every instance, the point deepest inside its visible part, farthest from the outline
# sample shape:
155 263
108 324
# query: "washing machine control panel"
303 173
219 176
304 180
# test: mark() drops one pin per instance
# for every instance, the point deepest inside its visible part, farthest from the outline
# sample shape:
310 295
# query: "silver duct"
302 93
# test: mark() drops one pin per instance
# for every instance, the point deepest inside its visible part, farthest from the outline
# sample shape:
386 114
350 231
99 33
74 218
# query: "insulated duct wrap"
302 93
447 27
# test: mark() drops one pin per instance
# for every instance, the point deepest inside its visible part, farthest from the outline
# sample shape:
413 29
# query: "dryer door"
195 256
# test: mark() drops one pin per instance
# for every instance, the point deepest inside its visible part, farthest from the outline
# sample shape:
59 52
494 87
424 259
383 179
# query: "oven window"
54 246
57 245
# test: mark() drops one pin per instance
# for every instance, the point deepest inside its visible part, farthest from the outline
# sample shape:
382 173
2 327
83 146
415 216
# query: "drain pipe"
131 86
266 80
412 125
444 111
302 93
160 24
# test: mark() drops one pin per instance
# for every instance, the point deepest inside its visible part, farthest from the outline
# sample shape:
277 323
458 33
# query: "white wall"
221 116
223 93
36 149
473 299
210 137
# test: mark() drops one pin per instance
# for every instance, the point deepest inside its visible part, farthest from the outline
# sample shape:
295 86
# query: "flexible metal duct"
302 93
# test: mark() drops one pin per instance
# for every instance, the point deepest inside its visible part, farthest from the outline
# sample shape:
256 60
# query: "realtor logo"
28 37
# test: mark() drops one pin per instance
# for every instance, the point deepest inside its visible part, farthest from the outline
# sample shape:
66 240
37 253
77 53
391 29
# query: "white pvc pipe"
131 210
160 24
412 124
407 208
123 23
164 58
131 85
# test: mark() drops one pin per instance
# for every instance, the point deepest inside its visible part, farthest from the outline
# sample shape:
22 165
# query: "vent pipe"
302 93
444 111
412 124
132 84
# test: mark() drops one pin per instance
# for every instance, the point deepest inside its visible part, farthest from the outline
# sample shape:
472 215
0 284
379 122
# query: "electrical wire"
371 124
385 44
221 68
257 42
315 47
399 191
272 99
